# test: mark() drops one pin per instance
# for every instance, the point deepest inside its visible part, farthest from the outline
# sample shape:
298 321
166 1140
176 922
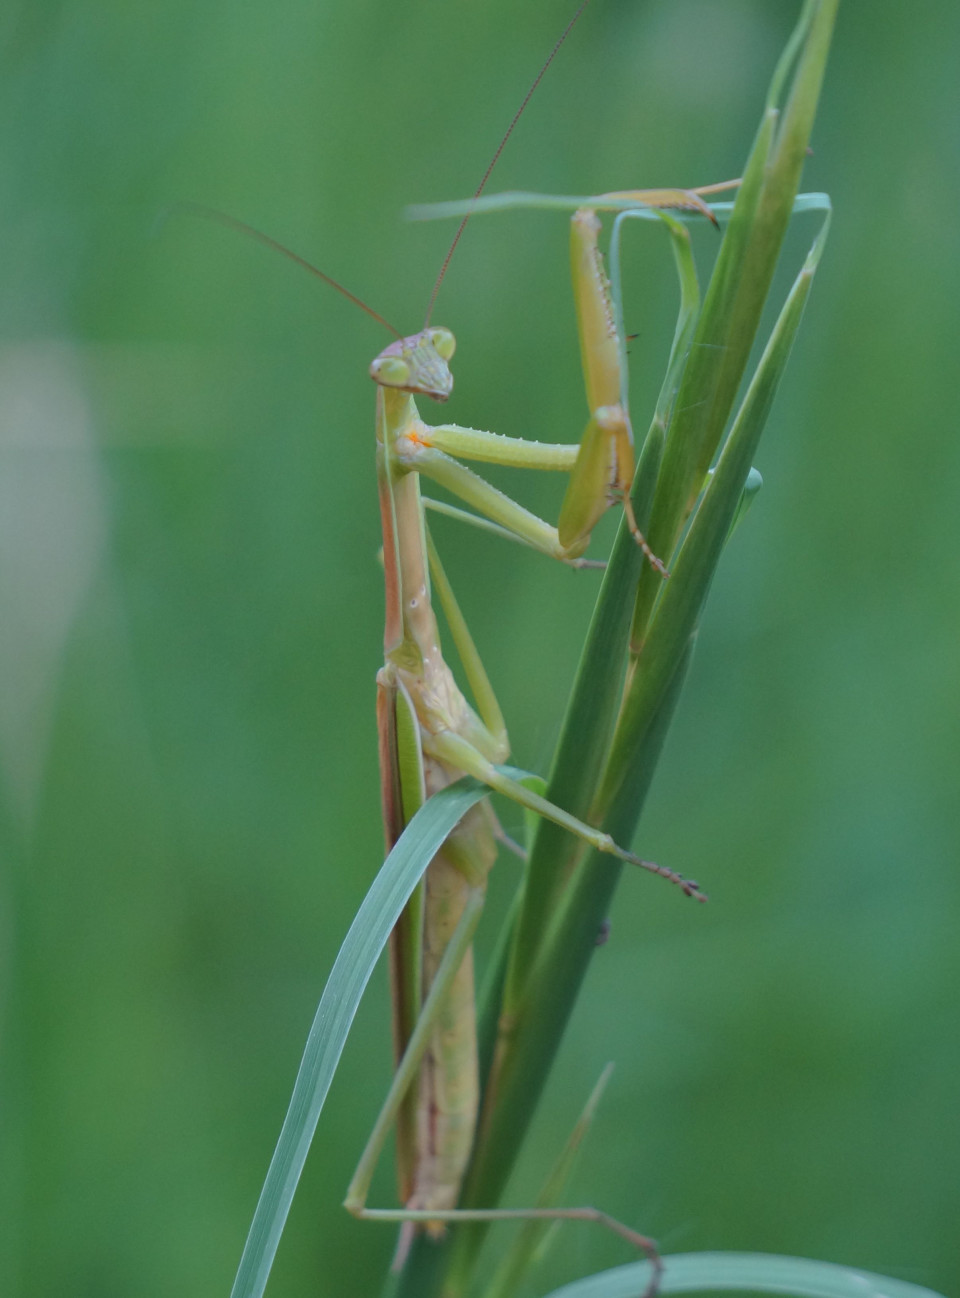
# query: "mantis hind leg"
454 750
491 737
409 1065
410 1217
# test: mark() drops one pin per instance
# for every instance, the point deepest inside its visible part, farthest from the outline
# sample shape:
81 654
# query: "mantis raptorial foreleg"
600 466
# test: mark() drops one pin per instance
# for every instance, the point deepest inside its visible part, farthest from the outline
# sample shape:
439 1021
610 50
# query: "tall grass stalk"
691 486
641 639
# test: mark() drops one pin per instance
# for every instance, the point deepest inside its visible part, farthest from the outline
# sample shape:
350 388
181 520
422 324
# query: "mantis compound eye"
444 342
390 371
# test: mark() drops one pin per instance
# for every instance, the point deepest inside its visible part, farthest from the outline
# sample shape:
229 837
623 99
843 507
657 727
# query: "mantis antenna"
496 157
232 223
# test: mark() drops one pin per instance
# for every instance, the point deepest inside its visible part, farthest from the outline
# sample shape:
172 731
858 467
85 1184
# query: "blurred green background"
191 626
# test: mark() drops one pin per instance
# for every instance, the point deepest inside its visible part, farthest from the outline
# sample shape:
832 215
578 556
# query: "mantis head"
418 363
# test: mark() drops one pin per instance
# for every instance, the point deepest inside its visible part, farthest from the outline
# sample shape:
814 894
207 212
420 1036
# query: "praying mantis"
429 733
441 757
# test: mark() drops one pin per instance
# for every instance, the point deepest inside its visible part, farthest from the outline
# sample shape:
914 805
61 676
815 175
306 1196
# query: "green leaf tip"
355 962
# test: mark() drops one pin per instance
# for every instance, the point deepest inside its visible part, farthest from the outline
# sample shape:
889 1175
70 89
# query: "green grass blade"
743 1273
791 52
737 292
680 605
368 934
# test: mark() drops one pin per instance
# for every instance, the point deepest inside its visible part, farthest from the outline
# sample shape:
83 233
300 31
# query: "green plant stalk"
545 974
738 289
532 1026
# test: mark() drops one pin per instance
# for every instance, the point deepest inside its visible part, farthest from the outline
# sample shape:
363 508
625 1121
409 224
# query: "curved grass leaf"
351 971
743 1273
